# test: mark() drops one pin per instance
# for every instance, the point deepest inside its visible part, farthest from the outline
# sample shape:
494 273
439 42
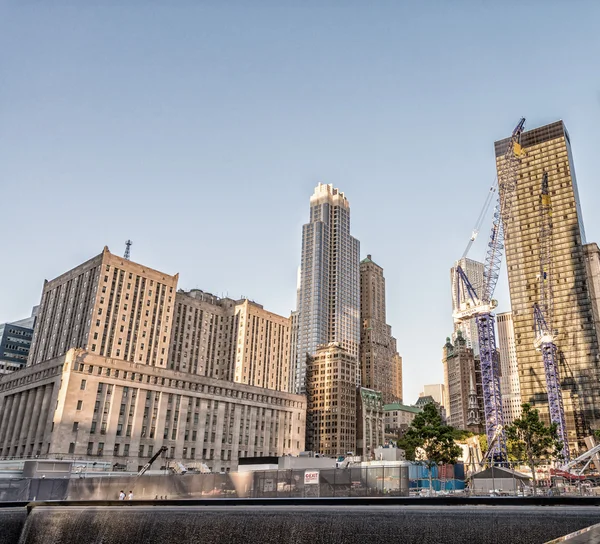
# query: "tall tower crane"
543 314
481 305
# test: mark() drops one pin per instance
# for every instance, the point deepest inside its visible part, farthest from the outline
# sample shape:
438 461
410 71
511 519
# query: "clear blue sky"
199 131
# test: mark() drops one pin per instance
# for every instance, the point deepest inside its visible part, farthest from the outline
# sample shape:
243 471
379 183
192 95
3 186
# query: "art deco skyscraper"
379 359
548 149
328 297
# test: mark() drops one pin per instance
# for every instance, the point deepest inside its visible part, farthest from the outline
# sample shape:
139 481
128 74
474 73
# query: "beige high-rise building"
109 306
262 350
460 374
509 368
123 364
236 340
331 401
381 366
435 390
548 149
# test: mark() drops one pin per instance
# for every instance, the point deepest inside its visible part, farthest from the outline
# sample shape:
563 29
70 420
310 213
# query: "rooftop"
396 406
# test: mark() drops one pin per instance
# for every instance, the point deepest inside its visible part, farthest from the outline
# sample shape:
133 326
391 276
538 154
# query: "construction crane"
149 463
543 314
481 305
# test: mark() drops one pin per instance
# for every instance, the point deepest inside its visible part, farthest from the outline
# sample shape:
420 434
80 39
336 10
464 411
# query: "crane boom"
481 306
149 463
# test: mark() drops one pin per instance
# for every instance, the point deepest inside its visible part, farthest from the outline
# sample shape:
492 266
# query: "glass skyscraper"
328 302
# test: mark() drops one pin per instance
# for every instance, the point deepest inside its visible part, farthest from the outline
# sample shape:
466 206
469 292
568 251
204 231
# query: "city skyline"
247 111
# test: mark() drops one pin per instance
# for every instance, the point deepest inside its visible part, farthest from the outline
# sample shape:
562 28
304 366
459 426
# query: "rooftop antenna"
128 245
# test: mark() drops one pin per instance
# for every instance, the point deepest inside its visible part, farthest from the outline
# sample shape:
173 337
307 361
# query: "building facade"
460 372
90 406
370 422
435 390
331 401
509 368
474 271
328 302
381 366
398 417
15 343
548 149
109 306
235 340
121 363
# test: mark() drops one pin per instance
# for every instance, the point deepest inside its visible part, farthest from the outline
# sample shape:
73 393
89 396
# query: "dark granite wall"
130 524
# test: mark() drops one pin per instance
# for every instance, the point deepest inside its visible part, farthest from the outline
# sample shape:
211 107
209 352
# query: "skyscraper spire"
473 409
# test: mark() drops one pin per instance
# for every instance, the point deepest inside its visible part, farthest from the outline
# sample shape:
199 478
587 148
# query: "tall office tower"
474 271
509 368
328 299
378 355
460 371
331 401
109 306
435 390
548 149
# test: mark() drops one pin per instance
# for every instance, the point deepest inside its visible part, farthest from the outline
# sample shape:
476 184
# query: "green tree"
428 433
529 439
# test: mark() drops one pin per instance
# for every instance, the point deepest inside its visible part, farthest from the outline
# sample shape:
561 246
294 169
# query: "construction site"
553 282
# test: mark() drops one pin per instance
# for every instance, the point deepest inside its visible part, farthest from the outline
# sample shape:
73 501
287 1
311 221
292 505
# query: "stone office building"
90 406
159 369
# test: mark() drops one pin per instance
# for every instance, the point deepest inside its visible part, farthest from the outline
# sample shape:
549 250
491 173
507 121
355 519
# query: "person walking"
122 495
130 496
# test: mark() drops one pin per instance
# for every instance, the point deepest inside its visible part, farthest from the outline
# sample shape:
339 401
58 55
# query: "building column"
26 424
12 421
136 425
45 413
8 404
35 416
19 420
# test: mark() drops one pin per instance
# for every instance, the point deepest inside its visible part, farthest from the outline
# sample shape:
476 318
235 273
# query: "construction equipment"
480 305
585 458
149 463
543 314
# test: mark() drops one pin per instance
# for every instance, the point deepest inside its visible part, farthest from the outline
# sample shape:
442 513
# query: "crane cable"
482 215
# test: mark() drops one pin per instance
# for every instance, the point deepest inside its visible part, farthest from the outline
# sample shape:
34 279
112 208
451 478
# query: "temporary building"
503 480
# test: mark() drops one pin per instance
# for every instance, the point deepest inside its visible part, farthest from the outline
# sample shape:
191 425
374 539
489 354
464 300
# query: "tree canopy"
429 433
530 440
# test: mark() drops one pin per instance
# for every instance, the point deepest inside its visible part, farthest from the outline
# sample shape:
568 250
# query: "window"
82 386
141 451
79 404
93 428
71 447
126 450
75 426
